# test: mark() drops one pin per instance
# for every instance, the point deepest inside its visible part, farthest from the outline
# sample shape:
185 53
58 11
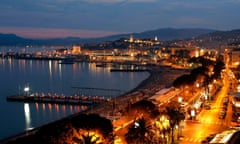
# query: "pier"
59 99
128 70
100 89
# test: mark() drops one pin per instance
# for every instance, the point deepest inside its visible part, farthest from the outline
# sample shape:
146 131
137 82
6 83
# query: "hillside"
168 34
218 38
164 34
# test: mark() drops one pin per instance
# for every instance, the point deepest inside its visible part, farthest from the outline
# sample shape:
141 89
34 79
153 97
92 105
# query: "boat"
67 61
101 65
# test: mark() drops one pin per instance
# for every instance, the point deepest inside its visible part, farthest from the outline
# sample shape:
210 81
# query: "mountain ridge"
163 34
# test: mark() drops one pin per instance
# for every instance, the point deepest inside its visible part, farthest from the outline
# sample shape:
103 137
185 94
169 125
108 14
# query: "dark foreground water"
52 77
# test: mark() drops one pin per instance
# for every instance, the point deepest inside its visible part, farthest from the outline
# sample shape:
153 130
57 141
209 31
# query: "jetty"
59 99
128 70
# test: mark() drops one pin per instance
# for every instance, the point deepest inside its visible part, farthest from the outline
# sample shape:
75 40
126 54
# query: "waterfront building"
235 57
76 49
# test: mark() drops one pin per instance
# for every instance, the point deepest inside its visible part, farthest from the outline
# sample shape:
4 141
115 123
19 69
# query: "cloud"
188 5
119 1
232 1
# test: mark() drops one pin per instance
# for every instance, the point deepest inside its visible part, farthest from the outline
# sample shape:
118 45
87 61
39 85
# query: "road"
207 121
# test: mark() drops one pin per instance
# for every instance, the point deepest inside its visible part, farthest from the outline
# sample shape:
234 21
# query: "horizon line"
46 33
54 33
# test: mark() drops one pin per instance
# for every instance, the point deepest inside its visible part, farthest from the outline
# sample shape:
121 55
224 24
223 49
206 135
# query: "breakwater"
128 70
83 100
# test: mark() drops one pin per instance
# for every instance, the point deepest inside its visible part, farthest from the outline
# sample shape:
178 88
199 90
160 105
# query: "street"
208 122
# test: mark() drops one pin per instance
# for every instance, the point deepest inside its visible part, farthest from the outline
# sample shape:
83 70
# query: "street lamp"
26 90
197 85
193 113
179 99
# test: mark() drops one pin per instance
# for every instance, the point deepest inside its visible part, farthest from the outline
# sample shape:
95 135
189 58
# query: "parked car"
208 139
207 107
222 114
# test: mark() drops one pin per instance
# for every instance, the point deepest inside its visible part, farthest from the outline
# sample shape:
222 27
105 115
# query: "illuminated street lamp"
193 113
197 85
179 99
26 90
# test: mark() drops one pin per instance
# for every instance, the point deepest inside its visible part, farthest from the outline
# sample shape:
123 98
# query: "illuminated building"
76 49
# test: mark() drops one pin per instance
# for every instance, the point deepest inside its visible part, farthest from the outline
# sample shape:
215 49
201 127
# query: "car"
225 100
208 139
204 141
224 108
222 114
207 107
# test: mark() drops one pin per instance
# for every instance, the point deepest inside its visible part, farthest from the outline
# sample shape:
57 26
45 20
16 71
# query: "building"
76 49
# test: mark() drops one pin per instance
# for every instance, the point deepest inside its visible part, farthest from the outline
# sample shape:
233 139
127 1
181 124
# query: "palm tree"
93 122
87 139
175 117
139 133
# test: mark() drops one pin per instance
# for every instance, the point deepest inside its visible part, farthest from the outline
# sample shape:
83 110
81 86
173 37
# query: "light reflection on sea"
51 77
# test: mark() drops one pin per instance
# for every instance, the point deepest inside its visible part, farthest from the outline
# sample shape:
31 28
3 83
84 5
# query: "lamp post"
180 100
193 113
26 90
194 97
197 85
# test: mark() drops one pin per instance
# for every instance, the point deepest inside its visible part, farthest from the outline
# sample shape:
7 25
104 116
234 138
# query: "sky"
98 18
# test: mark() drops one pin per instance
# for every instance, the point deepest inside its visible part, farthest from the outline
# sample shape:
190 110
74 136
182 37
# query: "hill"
165 34
168 34
218 38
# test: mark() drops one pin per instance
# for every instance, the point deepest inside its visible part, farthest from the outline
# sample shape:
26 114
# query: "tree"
175 116
139 132
82 128
93 123
143 108
218 67
87 139
184 80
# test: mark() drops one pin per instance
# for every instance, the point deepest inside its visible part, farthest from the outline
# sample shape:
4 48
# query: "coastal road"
208 121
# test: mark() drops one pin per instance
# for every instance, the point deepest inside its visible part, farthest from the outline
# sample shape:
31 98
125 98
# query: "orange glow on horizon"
55 33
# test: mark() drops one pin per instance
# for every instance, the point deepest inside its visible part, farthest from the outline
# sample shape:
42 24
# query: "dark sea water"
52 77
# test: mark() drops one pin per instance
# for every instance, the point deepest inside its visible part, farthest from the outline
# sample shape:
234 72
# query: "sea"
50 77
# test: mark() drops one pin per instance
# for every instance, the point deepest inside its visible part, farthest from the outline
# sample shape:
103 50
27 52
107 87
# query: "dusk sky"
96 18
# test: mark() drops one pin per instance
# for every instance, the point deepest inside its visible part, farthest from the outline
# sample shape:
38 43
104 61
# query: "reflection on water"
51 77
27 116
49 110
50 69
